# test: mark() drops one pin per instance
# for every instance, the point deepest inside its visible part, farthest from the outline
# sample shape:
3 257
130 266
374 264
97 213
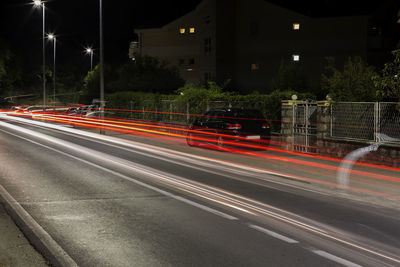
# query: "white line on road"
335 258
273 234
187 186
179 198
180 156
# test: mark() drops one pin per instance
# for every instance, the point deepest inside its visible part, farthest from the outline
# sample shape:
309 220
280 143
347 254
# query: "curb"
36 235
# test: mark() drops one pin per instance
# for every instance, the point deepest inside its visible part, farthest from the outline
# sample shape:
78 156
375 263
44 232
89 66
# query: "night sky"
76 23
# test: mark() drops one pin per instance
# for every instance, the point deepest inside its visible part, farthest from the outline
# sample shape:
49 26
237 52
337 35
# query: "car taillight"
233 126
265 126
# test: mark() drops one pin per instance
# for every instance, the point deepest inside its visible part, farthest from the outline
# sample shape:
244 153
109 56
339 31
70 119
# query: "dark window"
181 62
191 61
207 76
245 113
254 28
208 20
207 45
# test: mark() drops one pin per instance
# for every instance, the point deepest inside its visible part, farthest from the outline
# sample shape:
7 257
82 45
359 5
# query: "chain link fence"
353 120
366 121
389 122
173 111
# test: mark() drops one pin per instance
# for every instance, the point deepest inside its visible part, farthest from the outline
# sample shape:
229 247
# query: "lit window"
255 66
182 30
192 30
296 26
296 57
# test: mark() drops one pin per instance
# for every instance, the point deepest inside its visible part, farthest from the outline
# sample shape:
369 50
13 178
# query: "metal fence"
173 111
304 126
366 121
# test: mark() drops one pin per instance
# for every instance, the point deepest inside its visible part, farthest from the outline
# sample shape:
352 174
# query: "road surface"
103 201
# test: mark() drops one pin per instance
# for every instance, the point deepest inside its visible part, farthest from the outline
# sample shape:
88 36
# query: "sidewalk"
15 250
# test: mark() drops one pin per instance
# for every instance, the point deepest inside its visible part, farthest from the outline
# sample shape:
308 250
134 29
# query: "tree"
91 85
354 83
5 57
388 83
146 74
290 76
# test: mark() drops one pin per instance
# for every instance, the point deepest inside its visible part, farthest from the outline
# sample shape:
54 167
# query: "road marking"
335 258
200 191
207 162
179 198
222 214
273 234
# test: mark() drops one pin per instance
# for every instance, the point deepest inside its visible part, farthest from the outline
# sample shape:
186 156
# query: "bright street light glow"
50 36
89 50
37 2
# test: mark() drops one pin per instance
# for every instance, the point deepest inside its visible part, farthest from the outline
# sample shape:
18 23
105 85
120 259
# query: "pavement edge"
36 235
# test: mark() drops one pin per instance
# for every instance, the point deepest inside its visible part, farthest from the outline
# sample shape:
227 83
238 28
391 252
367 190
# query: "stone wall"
325 145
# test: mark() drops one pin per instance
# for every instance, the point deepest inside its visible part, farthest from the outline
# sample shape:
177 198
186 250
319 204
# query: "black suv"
229 126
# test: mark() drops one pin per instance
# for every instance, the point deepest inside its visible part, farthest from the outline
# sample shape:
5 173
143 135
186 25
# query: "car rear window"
248 114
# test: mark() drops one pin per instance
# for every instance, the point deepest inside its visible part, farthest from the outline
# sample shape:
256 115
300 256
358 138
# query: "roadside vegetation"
153 81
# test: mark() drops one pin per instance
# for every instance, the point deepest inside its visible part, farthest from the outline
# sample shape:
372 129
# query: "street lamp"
89 51
39 4
52 37
101 65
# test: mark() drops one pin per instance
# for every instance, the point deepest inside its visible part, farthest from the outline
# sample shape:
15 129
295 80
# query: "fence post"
187 113
306 122
293 123
331 130
376 121
170 111
131 108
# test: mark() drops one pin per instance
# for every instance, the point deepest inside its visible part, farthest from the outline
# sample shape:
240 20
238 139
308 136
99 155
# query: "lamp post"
52 37
89 51
39 3
101 66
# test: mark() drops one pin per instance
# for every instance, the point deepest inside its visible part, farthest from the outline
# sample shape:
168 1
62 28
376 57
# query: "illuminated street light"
52 37
89 51
41 4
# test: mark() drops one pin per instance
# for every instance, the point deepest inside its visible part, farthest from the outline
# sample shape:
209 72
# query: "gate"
304 125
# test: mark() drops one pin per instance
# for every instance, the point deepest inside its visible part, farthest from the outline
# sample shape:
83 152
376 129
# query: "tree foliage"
145 74
354 83
290 76
388 82
5 57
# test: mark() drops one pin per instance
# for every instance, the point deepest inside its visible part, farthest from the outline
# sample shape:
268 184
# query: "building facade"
247 40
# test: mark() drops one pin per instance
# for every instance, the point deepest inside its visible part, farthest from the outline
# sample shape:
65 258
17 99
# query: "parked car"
227 125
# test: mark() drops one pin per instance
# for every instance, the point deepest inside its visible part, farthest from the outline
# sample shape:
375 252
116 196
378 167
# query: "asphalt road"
118 203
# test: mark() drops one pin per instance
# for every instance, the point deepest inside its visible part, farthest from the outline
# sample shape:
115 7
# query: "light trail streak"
276 173
233 143
278 158
203 191
170 127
